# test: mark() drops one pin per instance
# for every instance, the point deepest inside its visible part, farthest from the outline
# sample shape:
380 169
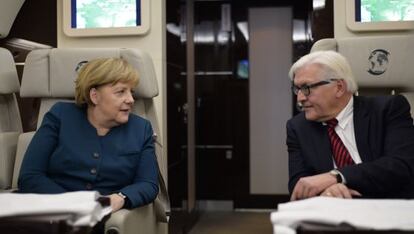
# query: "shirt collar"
346 114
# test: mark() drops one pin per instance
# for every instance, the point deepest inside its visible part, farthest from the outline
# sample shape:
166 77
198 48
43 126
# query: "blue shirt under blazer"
384 134
66 154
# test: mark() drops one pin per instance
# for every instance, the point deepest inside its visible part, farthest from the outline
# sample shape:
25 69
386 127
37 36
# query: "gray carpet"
233 223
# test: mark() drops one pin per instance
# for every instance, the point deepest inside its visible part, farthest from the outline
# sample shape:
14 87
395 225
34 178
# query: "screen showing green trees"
387 10
106 13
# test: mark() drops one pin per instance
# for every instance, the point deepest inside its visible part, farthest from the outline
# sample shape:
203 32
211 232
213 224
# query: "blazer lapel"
361 128
322 146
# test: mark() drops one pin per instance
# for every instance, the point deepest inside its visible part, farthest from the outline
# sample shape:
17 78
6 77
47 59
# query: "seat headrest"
52 72
377 62
8 13
8 73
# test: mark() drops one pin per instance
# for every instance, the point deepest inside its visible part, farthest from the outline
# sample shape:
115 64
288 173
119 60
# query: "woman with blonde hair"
96 143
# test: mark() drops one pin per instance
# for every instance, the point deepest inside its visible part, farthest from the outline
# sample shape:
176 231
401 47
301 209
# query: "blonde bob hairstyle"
100 72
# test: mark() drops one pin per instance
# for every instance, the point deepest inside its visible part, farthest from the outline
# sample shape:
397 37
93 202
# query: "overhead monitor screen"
105 13
379 15
89 18
385 10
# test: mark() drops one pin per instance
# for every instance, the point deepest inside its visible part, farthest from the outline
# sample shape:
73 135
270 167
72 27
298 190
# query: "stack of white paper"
83 204
376 214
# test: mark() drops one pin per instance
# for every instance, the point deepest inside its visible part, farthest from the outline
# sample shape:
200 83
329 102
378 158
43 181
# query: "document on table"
83 204
374 214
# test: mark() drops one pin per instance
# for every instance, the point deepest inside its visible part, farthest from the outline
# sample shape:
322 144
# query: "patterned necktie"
340 153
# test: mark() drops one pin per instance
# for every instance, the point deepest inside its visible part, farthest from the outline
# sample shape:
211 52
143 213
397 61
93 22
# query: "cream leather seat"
49 74
10 122
381 64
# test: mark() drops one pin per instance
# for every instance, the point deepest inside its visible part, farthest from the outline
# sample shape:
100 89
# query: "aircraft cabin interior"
214 87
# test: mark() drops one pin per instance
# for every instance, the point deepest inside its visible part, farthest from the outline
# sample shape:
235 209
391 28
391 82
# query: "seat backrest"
9 110
10 122
381 64
49 74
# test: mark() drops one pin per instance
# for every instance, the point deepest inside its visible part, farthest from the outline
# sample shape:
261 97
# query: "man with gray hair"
342 145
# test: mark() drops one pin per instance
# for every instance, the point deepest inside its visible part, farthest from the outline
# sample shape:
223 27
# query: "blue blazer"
384 135
66 154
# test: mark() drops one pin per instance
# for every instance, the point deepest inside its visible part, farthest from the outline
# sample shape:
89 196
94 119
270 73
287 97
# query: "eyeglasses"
306 89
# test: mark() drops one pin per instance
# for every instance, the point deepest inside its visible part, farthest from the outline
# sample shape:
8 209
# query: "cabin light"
300 32
242 26
318 4
174 29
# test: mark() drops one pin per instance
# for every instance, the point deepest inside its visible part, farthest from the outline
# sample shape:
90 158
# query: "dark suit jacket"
384 134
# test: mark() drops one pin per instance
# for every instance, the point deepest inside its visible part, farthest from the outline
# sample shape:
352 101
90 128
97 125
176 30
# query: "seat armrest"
8 143
139 220
22 144
8 191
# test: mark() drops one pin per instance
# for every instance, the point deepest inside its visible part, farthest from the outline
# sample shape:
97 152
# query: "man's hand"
340 191
312 186
117 202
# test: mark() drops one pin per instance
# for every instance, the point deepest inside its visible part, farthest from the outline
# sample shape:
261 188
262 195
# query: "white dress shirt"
345 131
